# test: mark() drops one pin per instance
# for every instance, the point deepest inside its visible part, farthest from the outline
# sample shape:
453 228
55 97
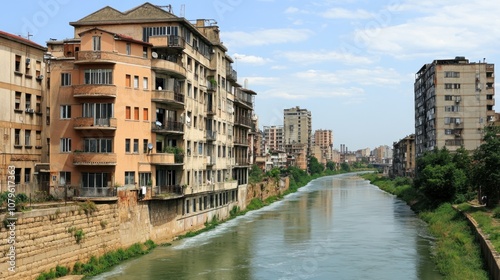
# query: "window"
27 175
98 77
145 52
65 112
27 137
145 83
96 43
452 108
144 179
38 135
95 180
127 145
189 90
38 102
448 97
200 148
145 114
136 113
195 93
136 81
65 79
17 176
451 74
17 137
18 101
136 146
129 177
128 81
98 145
64 178
28 101
127 113
128 49
145 146
18 63
65 145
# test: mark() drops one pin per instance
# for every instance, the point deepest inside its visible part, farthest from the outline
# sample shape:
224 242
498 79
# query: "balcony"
243 121
94 159
105 57
175 69
240 141
211 135
232 75
210 110
162 158
93 91
168 97
95 193
166 192
209 161
167 128
169 41
94 123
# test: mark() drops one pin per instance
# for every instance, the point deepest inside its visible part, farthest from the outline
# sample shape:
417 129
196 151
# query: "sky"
352 63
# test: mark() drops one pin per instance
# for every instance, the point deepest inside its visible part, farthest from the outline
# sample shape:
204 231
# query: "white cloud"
312 57
340 13
265 37
250 59
291 10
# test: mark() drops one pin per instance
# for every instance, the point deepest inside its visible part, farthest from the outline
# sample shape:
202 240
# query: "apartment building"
382 154
273 138
323 145
297 132
23 117
146 98
454 100
403 162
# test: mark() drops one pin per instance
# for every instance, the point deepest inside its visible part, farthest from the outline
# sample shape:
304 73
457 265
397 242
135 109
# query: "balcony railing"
95 123
211 135
95 192
92 91
163 65
240 141
209 160
167 190
167 128
106 57
162 158
171 41
232 75
168 97
94 159
245 121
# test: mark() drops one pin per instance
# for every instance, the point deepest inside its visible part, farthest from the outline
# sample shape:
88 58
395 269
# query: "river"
336 227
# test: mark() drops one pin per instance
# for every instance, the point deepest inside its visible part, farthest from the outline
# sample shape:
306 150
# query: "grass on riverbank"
99 265
456 253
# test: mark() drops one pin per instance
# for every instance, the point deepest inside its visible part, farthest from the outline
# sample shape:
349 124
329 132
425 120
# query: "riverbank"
457 254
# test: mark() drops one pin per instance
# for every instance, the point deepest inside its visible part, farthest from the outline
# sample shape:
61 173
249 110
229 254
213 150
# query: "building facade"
322 147
297 126
147 99
454 100
23 118
403 162
273 138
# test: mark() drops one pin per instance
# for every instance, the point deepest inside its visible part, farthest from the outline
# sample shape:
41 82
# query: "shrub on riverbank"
99 265
456 253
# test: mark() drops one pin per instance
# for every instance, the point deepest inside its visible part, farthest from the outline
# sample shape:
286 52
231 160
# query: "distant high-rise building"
297 126
323 144
454 100
273 137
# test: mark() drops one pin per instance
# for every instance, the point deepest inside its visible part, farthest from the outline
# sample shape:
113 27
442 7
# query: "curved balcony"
168 97
104 57
92 91
94 159
162 158
94 124
165 66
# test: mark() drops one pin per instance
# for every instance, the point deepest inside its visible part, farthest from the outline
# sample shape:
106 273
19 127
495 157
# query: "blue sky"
350 62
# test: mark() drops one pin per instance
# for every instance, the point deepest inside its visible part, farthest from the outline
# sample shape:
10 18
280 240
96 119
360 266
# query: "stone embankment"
41 239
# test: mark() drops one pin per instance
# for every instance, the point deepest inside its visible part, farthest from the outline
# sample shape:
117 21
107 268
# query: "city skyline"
351 63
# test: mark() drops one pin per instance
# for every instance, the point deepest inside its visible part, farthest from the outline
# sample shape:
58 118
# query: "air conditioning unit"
457 121
28 60
29 110
457 99
39 77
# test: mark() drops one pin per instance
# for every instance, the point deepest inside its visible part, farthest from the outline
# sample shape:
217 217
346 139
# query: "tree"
486 165
315 167
345 167
255 175
330 165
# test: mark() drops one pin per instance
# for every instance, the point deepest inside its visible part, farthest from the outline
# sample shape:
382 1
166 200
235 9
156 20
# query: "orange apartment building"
146 98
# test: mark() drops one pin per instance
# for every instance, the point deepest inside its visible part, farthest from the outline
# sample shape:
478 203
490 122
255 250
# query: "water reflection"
338 227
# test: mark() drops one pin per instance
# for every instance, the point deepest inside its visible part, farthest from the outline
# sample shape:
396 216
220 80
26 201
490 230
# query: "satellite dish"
188 120
154 55
150 146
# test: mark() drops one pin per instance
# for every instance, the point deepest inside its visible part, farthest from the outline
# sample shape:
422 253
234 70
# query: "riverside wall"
64 235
